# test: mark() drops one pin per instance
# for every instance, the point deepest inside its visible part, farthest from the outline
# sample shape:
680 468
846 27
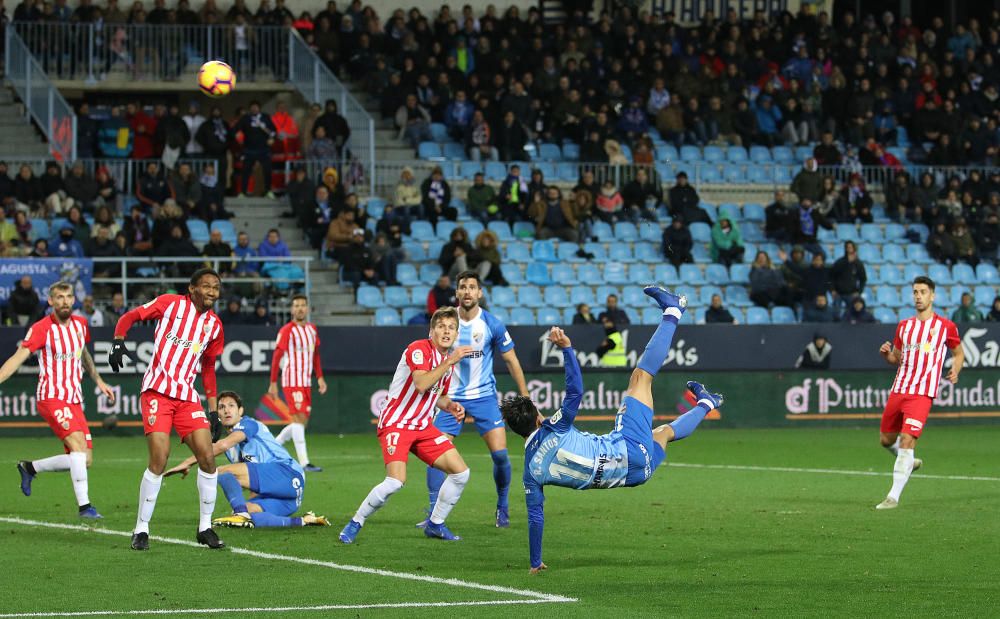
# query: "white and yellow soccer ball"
216 78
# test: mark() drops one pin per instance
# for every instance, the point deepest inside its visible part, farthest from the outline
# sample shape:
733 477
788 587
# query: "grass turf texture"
691 542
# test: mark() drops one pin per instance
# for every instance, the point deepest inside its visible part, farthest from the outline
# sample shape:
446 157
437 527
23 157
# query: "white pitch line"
454 582
264 609
789 469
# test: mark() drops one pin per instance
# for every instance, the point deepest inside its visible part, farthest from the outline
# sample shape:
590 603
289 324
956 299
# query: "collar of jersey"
532 435
470 321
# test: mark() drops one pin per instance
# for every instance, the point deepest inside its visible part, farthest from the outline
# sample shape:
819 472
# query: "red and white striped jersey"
60 349
297 354
922 345
405 408
184 339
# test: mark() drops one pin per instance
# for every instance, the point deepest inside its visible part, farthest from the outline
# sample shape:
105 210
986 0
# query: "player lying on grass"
259 464
60 340
557 454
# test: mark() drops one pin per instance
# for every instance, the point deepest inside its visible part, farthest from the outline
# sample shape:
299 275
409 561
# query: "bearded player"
60 339
419 387
918 348
557 454
188 338
298 345
474 387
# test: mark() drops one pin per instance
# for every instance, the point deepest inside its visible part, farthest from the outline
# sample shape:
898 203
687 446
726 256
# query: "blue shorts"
635 424
278 486
485 411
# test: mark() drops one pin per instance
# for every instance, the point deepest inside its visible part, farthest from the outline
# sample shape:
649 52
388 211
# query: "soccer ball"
216 78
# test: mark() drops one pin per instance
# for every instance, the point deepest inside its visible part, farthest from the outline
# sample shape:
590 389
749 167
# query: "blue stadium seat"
911 271
502 296
783 315
690 154
782 155
597 249
824 235
738 315
758 316
633 296
521 316
453 151
544 251
987 273
375 207
410 312
690 274
888 296
666 152
893 253
953 294
590 274
739 273
651 316
716 274
665 274
549 317
736 154
422 231
226 228
567 171
406 275
495 171
439 132
753 232
885 315
571 152
869 254
984 296
802 153
430 151
847 232
514 274
922 230
418 296
615 273
712 154
529 296
915 252
549 152
582 294
467 170
760 154
567 315
396 296
556 296
429 273
473 228
647 252
782 174
370 297
738 296
523 230
197 228
39 229
753 212
518 252
566 252
894 232
620 252
700 232
605 290
564 274
940 274
872 233
700 253
906 312
711 174
626 231
602 231
640 274
711 209
501 314
538 273
734 175
501 229
387 317
649 231
633 315
963 274
705 295
445 228
874 272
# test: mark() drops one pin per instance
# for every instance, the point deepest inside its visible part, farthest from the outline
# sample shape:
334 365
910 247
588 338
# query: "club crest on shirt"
206 329
477 336
65 425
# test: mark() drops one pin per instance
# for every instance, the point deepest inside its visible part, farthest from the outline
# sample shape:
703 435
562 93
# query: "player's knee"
460 479
907 442
500 457
392 485
886 440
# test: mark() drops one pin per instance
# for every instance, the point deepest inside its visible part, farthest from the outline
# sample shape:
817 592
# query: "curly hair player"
557 454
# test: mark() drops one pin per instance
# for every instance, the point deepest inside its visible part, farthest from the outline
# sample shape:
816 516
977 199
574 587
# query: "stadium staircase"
332 304
388 146
18 138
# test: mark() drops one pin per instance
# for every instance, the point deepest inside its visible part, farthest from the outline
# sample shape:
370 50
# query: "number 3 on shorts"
153 405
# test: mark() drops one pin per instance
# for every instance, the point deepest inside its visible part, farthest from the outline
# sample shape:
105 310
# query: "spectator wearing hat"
66 246
857 312
817 354
967 312
683 200
338 234
334 126
359 261
233 314
808 182
677 242
727 243
407 198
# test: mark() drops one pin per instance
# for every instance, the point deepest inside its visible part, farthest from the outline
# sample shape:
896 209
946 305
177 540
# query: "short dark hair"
923 279
197 275
520 414
296 297
469 275
233 396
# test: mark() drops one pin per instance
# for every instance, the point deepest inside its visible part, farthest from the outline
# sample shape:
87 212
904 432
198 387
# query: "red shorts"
427 444
64 419
298 399
906 413
160 413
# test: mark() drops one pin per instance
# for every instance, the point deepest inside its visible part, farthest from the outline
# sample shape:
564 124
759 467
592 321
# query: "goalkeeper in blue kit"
557 454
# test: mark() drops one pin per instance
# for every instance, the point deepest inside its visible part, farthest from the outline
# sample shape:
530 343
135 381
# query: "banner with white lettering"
690 12
43 273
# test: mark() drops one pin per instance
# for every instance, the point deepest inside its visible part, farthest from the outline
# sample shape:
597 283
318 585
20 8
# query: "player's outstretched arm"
14 362
91 370
218 448
535 500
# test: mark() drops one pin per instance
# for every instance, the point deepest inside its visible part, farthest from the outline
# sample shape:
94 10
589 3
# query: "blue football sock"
264 519
659 345
501 476
659 455
685 424
234 493
434 480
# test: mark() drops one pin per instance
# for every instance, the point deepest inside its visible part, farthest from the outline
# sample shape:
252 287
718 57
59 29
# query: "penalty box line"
790 469
533 596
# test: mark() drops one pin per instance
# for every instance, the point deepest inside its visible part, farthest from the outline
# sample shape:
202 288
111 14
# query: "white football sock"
285 435
148 491
377 498
894 448
78 473
207 490
53 463
450 493
901 472
299 438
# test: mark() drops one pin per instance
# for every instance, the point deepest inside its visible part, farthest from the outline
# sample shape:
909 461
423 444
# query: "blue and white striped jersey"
473 376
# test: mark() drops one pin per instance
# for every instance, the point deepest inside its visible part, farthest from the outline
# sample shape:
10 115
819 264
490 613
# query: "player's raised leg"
686 424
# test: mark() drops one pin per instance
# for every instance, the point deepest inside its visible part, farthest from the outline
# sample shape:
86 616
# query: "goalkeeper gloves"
215 425
118 351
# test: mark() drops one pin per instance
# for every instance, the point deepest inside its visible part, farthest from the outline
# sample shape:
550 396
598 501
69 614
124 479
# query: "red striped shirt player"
60 339
918 348
420 387
298 345
188 338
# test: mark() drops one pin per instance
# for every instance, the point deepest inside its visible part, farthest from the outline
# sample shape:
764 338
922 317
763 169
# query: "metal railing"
42 100
881 176
317 83
145 271
164 52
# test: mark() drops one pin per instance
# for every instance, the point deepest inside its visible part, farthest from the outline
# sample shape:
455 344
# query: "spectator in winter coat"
805 224
767 286
776 218
334 125
554 216
817 355
609 206
642 196
768 118
857 313
435 195
272 246
114 135
259 134
406 198
818 310
458 115
481 200
848 276
967 312
677 242
186 188
808 183
213 137
514 196
683 200
441 295
152 190
727 243
717 314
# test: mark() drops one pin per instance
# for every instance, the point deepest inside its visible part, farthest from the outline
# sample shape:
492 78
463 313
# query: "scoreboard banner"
43 273
753 399
373 350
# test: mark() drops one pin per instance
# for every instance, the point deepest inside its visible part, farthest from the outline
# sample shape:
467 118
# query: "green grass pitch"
736 539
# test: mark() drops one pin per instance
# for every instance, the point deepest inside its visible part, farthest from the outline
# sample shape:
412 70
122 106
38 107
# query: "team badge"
477 336
418 357
65 425
152 420
206 329
391 449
